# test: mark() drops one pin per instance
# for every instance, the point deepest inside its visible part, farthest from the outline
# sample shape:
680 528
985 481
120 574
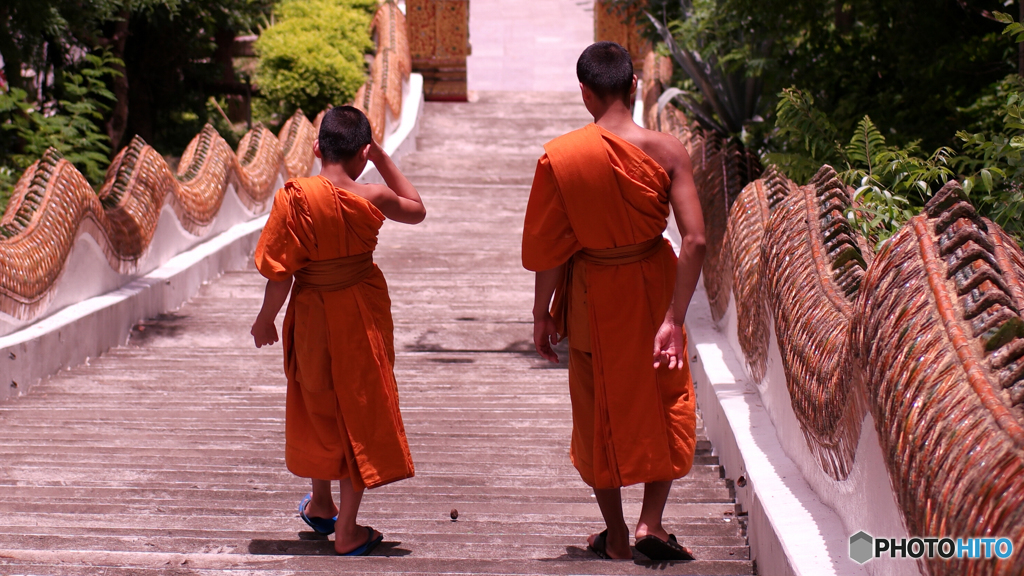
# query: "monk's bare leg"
655 498
617 542
321 504
347 534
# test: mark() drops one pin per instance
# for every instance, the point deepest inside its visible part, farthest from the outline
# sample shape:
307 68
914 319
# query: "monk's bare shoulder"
667 151
372 193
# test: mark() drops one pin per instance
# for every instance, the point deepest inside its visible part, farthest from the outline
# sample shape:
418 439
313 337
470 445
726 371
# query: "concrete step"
573 561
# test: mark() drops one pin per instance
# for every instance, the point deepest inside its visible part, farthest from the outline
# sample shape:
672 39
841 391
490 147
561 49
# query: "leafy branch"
74 126
890 182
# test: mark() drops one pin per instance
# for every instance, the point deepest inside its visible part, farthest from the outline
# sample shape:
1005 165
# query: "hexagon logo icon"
861 547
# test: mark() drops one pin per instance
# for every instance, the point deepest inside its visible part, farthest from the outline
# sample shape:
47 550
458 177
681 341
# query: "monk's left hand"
544 335
669 346
264 332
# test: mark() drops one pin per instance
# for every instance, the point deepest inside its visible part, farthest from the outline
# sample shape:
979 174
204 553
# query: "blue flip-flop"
323 526
368 547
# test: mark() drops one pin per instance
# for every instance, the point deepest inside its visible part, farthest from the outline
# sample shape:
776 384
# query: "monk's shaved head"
343 133
607 69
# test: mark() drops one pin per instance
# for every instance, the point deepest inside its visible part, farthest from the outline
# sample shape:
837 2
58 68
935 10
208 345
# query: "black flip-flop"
657 549
366 548
600 546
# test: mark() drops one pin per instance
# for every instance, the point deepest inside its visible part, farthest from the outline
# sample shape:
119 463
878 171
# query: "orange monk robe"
594 191
342 418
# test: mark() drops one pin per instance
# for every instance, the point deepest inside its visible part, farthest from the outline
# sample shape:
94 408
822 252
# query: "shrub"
314 55
994 164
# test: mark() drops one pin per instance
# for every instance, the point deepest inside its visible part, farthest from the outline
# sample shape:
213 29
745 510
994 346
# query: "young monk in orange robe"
593 233
342 420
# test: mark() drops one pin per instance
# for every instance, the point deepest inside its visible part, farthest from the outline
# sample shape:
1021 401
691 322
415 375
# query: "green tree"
176 54
910 65
314 55
73 126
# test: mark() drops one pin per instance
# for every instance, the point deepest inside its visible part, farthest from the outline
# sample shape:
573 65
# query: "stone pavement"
526 45
165 456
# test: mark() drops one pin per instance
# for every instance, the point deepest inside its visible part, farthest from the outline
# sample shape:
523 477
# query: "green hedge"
313 55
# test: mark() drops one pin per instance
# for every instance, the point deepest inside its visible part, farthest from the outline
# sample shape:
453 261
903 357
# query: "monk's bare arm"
690 220
669 343
399 200
545 333
264 332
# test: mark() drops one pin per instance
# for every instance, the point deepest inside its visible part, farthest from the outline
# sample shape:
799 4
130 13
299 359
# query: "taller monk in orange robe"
342 420
593 233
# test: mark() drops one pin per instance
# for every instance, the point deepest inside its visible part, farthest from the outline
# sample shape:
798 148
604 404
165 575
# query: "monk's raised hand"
544 335
669 346
376 152
264 332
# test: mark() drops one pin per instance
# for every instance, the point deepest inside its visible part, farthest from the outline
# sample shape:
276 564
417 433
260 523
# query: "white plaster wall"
790 529
865 500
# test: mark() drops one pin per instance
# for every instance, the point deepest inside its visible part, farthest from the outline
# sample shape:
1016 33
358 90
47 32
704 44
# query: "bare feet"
352 539
616 547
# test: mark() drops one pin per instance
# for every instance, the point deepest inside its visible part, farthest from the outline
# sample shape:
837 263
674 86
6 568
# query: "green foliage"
314 55
986 113
805 135
909 65
8 178
44 33
73 126
993 156
231 133
994 162
729 83
176 55
1013 29
171 56
891 182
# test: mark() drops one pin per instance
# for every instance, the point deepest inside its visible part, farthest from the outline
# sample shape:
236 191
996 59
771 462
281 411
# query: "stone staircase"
165 456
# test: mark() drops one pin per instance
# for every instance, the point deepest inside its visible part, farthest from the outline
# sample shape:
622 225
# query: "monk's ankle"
617 544
316 509
347 539
656 530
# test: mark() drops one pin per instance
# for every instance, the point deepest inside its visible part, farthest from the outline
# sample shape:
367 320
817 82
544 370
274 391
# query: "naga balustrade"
926 335
937 342
53 203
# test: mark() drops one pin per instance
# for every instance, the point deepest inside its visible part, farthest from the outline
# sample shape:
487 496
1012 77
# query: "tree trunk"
118 122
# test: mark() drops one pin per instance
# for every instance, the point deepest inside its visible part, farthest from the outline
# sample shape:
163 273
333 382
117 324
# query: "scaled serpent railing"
938 340
927 335
390 68
53 203
811 264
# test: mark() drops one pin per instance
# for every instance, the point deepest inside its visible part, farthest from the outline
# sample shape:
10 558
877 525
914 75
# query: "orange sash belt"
601 257
335 274
622 254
